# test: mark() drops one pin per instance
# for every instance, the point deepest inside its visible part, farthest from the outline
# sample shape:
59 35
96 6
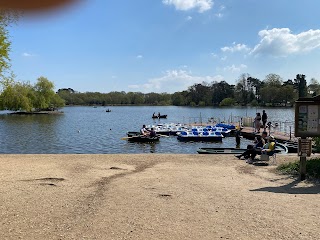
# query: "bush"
293 168
254 103
227 102
202 103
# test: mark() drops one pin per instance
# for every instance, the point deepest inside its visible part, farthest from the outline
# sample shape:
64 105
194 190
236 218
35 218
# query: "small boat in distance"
154 115
161 116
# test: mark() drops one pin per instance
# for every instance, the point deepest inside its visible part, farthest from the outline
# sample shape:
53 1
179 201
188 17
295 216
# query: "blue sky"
167 45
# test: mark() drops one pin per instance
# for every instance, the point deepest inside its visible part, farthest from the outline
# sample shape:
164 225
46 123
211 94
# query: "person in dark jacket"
264 119
256 148
152 133
238 136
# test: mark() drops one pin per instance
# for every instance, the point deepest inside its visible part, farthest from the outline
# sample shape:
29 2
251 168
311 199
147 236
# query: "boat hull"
280 148
143 139
234 151
200 138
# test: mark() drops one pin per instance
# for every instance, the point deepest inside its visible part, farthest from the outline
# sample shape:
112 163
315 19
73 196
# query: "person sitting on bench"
259 142
268 148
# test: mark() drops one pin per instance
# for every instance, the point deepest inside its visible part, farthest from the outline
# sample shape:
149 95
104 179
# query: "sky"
166 45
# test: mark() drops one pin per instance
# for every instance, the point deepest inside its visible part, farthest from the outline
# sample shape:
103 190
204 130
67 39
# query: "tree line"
271 91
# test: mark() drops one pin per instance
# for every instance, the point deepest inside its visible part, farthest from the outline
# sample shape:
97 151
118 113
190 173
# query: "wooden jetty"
248 132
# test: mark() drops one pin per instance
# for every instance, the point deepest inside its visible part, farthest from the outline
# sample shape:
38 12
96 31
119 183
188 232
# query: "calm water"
92 130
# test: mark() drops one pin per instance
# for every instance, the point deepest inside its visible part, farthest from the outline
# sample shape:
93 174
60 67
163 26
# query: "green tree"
244 89
199 92
273 80
301 85
7 18
227 102
17 96
179 99
44 93
288 95
220 91
314 87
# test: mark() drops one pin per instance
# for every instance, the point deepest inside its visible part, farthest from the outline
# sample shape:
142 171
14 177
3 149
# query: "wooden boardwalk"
248 132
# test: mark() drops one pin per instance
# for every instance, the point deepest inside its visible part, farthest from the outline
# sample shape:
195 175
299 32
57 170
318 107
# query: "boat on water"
200 137
280 148
167 128
137 137
159 116
224 131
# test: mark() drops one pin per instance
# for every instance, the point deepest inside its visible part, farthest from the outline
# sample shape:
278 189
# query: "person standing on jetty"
264 119
238 136
257 122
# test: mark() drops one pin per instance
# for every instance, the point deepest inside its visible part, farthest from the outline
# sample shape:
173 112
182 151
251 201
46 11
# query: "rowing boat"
234 151
280 148
137 137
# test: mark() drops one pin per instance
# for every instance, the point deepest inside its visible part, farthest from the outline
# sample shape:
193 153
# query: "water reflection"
29 133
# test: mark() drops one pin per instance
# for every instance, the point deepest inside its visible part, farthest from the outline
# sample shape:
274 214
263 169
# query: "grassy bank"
292 168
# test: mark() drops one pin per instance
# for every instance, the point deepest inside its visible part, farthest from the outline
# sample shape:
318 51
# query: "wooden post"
290 134
303 168
303 164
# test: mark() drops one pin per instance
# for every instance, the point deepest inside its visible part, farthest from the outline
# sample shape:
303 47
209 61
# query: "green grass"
292 168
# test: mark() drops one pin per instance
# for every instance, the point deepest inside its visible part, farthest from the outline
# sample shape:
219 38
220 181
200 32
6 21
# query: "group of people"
257 121
263 144
147 133
154 115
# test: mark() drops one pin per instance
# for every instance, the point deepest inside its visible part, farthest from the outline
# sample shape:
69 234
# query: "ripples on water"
92 130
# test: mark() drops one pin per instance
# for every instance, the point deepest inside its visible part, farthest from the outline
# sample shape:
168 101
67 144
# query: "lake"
93 130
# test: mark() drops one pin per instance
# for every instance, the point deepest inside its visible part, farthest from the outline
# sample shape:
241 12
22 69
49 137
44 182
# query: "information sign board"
304 147
307 117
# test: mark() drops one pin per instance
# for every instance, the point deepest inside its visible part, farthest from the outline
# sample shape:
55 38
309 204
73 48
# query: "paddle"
160 135
126 138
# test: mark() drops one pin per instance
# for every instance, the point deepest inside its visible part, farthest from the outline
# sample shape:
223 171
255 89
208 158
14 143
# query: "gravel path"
152 196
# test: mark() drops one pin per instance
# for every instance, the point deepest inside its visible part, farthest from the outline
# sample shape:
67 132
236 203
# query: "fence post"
290 133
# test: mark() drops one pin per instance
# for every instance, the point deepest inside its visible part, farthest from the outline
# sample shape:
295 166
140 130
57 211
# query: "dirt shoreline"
152 196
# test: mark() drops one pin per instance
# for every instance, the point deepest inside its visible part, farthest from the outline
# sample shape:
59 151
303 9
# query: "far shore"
37 113
153 196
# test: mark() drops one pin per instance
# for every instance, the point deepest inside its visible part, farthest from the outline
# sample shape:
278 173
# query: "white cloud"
213 55
235 48
280 42
25 54
173 81
233 68
139 56
185 5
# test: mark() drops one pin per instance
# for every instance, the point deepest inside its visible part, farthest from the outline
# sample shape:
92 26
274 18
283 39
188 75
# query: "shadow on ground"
291 188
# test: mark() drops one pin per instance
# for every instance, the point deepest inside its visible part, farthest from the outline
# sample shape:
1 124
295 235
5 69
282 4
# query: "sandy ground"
152 197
